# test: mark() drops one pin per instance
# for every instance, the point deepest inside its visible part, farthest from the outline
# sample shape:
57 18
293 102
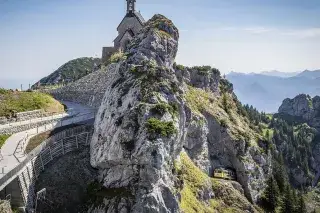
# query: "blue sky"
38 36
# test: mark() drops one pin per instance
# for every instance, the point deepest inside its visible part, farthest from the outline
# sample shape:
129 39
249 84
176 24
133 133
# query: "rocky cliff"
303 113
162 129
303 107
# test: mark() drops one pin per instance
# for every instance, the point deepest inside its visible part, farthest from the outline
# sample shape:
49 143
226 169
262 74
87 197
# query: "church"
127 29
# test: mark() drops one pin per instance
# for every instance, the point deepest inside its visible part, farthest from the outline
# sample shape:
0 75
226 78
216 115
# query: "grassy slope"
238 126
3 139
227 198
13 101
72 70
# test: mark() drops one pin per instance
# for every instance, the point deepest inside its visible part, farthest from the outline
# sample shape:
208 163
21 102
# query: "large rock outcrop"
162 129
303 107
303 112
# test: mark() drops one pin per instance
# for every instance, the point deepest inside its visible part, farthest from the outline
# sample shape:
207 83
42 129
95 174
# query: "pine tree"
279 173
270 196
301 204
287 201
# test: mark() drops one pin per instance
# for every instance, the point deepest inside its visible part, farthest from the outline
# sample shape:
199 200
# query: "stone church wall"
124 41
107 52
130 22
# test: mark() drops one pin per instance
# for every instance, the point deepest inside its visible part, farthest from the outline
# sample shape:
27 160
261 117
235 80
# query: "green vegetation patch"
163 34
225 110
70 71
163 128
12 102
179 67
117 57
162 108
227 199
225 85
3 139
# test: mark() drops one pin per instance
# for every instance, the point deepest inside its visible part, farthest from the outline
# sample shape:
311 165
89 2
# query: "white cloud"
303 33
258 30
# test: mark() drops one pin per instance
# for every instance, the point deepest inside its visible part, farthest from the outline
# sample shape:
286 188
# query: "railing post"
34 169
62 146
41 161
50 153
77 141
87 138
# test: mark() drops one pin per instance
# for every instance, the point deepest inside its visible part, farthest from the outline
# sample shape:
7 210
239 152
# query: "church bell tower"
131 6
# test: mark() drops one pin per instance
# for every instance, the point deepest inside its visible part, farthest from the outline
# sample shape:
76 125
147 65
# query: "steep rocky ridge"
303 112
303 108
161 129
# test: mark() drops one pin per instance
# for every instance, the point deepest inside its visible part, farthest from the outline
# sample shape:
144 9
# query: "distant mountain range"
266 90
279 74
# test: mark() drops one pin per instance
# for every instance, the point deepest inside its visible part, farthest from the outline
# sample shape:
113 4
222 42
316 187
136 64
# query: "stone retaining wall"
24 116
88 90
15 129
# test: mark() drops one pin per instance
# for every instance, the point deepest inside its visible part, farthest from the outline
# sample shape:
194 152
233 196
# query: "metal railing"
63 122
35 152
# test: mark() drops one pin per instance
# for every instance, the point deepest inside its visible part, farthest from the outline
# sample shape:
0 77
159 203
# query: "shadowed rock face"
144 123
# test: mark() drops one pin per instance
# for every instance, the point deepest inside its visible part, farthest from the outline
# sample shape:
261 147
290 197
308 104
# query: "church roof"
120 36
135 14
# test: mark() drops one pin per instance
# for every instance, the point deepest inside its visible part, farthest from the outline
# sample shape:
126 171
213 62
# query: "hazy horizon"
37 36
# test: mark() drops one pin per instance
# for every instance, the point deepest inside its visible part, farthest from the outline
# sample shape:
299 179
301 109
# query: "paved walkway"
13 150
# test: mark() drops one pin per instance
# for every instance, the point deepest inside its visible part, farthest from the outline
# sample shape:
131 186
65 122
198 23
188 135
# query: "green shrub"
180 67
225 85
3 139
223 123
4 91
162 108
156 126
134 69
116 57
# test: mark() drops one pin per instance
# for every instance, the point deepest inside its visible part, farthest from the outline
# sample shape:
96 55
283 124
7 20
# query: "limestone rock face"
304 107
144 123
